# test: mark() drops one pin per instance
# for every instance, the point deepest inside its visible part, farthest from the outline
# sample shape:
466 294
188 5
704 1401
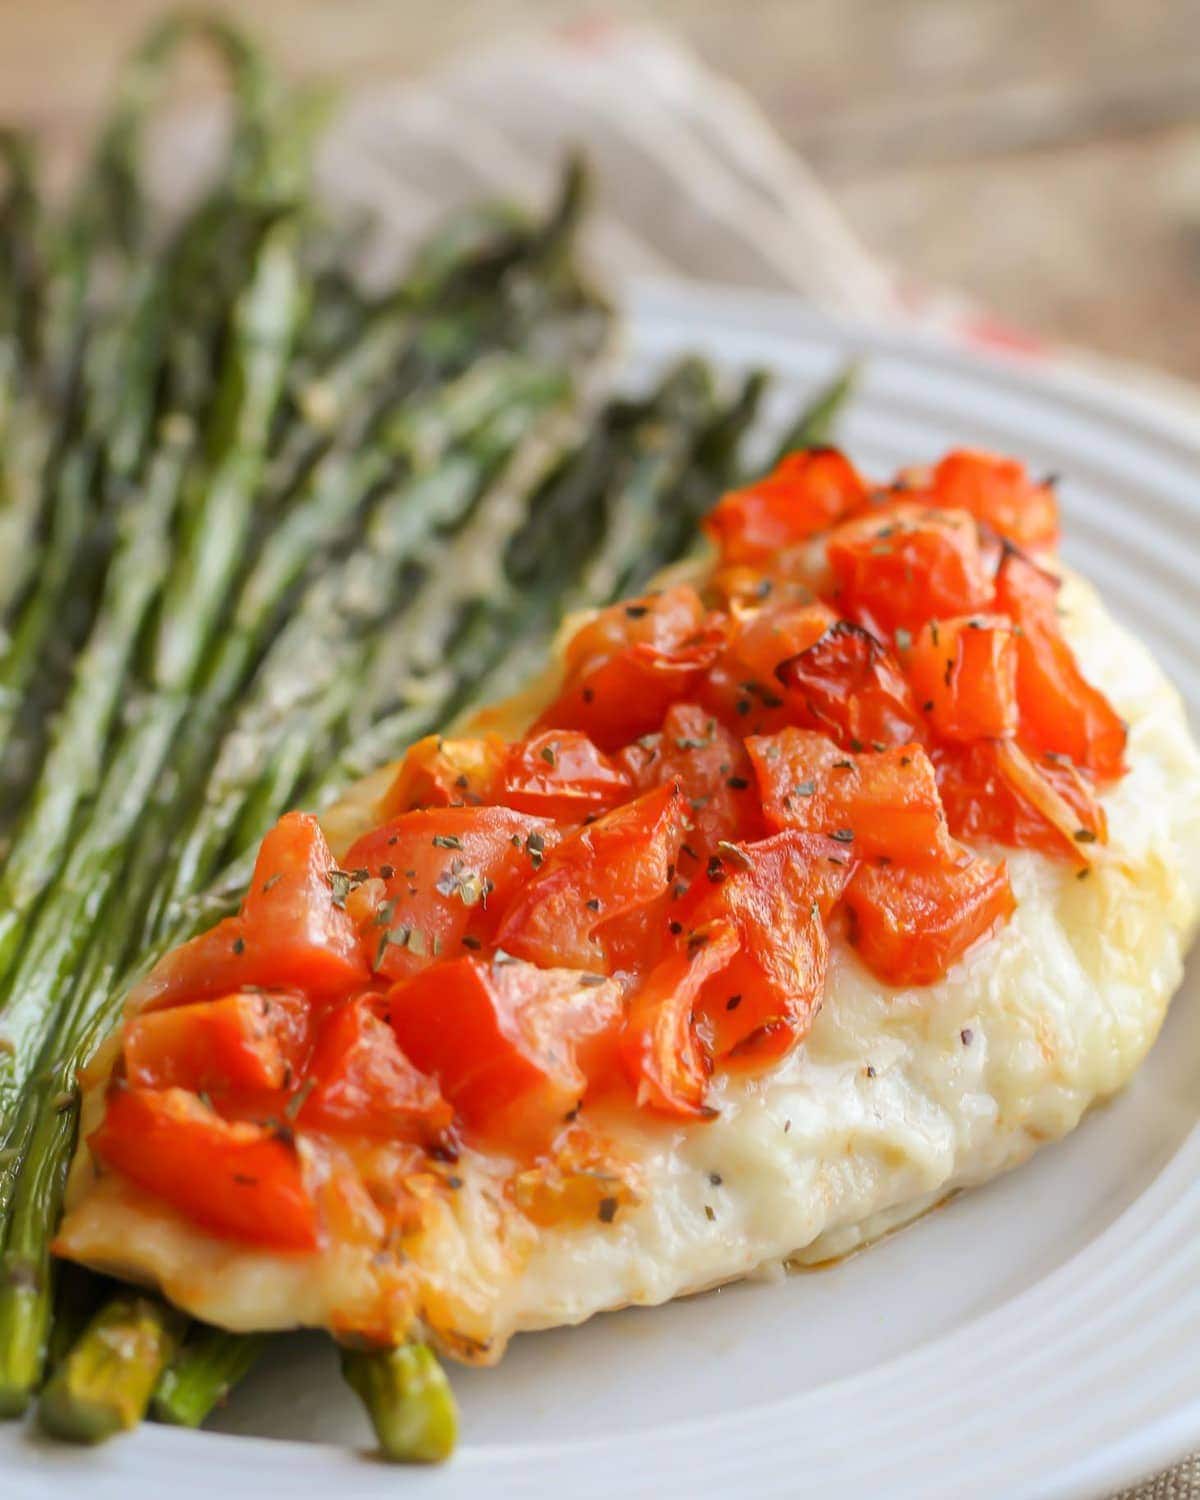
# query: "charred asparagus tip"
105 1383
408 1399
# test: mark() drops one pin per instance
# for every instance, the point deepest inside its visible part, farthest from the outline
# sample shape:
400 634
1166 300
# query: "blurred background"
1041 156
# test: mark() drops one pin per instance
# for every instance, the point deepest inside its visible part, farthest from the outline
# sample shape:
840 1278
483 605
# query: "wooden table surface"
1042 155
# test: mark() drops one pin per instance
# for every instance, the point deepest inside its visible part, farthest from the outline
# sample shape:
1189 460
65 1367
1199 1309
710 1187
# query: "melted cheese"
898 1097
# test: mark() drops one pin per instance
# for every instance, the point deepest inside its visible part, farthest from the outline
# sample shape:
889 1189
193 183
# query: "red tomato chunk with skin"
503 1038
911 925
447 874
775 895
964 677
850 687
359 1081
882 804
560 774
290 934
805 493
438 772
626 667
898 567
606 870
231 1177
1060 711
663 1056
248 1042
710 766
998 491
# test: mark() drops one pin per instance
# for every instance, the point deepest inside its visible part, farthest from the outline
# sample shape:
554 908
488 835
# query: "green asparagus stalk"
408 1400
105 1384
814 426
209 1364
71 772
203 571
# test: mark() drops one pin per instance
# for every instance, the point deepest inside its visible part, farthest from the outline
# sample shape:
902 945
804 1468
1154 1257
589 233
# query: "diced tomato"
1000 492
775 895
910 925
898 567
1060 710
849 686
360 1081
236 1179
242 1043
663 1058
883 805
805 493
628 695
964 676
626 667
560 774
605 870
439 772
502 1038
290 934
446 873
741 688
663 621
993 790
712 770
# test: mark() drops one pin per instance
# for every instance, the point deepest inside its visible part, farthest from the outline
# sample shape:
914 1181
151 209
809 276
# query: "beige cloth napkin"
695 182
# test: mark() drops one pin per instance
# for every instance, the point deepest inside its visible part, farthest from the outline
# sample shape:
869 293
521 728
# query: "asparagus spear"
814 426
71 770
209 1364
408 1400
105 1384
206 570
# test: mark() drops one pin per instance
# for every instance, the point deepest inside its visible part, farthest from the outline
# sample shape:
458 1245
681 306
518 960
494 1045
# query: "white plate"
1037 1338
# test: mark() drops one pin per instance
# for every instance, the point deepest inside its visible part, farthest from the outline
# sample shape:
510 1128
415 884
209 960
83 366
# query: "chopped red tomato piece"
741 687
712 770
1060 710
439 772
236 1179
360 1081
964 676
663 1057
883 805
446 874
290 934
1000 492
911 925
805 493
607 869
626 667
993 790
775 895
560 774
897 568
663 621
503 1039
850 687
243 1043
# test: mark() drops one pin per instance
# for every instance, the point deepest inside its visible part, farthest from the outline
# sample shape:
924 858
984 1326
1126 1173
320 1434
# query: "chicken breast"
897 1098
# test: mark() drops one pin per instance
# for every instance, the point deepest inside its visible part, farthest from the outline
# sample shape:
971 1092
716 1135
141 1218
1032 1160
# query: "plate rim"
1168 413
